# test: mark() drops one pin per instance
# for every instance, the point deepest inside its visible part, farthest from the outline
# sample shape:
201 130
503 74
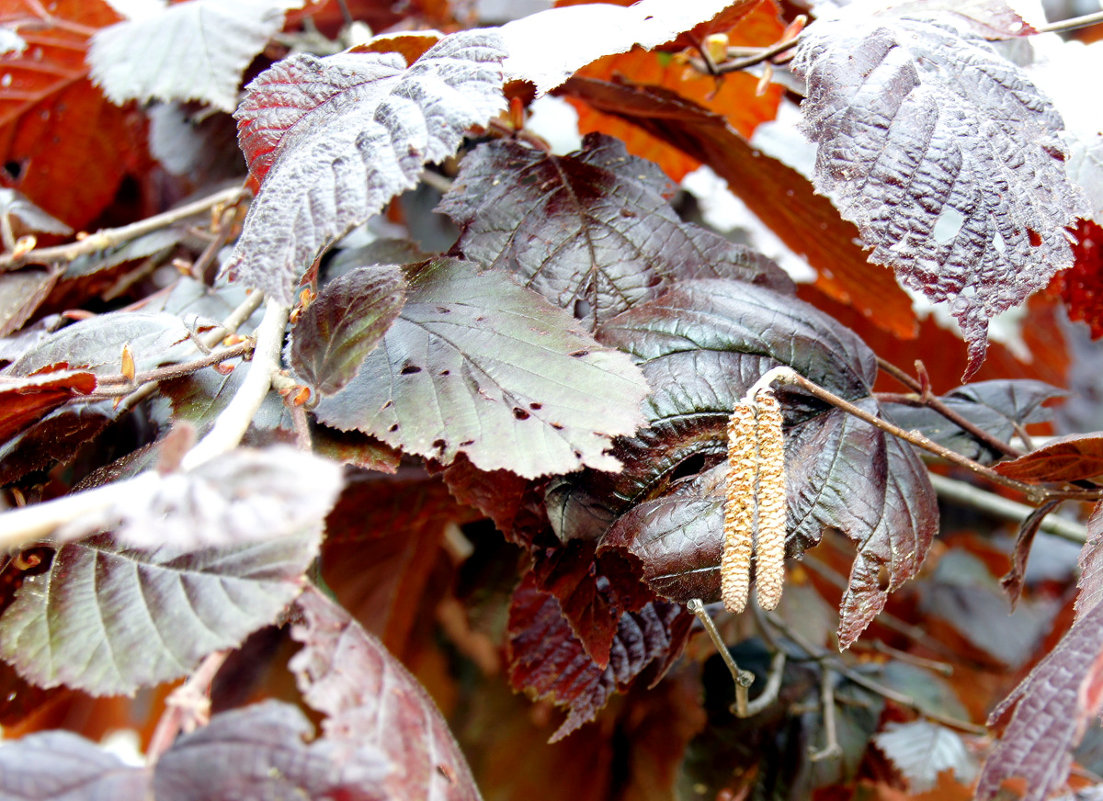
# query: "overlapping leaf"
1069 458
332 140
244 496
1091 566
259 752
108 619
188 51
995 407
701 346
370 700
1044 717
24 401
255 752
548 661
455 373
777 194
344 324
591 231
945 156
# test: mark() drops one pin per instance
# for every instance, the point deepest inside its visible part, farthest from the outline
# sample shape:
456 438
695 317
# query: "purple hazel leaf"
945 156
331 140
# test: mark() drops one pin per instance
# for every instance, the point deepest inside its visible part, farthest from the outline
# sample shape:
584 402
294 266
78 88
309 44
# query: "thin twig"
109 237
903 656
743 678
165 373
978 498
899 374
787 375
234 420
831 748
773 686
1084 21
765 54
187 707
874 686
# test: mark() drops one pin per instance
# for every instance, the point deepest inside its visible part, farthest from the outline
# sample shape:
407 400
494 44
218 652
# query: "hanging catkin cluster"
755 503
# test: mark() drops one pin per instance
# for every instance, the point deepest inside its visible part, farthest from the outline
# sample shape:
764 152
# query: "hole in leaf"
393 428
536 406
467 442
443 310
520 414
557 426
1034 237
388 404
883 582
690 466
438 445
446 372
578 354
410 369
14 169
581 309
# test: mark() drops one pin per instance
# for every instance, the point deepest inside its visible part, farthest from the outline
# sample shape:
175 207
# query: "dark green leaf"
478 365
344 324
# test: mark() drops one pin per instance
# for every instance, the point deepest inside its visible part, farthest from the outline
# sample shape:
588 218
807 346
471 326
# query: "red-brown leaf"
25 400
71 145
1069 458
548 662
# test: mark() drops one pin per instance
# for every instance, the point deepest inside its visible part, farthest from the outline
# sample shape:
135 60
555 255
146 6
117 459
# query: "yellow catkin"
772 508
739 507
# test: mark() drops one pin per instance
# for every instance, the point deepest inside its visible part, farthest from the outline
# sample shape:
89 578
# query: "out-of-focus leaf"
369 699
995 407
548 662
778 195
198 145
1078 286
546 48
344 324
200 397
16 205
60 766
963 593
736 97
1091 566
516 505
26 400
1013 580
354 448
921 750
454 374
21 293
968 207
592 231
108 620
382 540
65 147
187 51
1043 718
96 344
258 752
702 345
241 497
332 140
1069 458
56 438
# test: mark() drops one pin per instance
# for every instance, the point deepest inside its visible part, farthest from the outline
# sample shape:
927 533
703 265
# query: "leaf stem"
831 748
787 375
109 237
187 707
743 678
165 373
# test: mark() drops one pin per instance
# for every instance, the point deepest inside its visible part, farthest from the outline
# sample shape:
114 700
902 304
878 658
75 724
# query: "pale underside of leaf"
945 156
1091 566
110 620
335 139
921 750
61 766
188 51
369 699
455 374
547 48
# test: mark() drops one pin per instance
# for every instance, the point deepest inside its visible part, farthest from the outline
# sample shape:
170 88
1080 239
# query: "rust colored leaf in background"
62 144
25 400
732 96
1070 458
780 196
1080 285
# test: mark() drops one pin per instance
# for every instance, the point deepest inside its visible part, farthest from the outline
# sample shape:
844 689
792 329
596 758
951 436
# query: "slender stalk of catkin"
739 508
770 546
